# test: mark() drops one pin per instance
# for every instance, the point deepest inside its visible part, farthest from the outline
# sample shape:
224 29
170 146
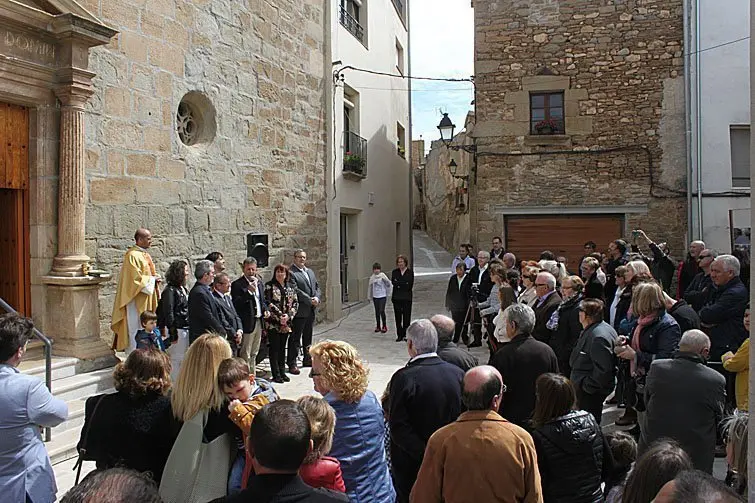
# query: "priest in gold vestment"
137 292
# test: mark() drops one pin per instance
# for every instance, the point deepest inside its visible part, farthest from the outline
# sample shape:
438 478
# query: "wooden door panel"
14 134
527 237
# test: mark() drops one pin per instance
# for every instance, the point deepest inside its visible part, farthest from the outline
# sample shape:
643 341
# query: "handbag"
197 470
83 449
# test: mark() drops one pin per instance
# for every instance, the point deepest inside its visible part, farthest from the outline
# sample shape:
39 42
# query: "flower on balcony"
547 126
354 162
401 150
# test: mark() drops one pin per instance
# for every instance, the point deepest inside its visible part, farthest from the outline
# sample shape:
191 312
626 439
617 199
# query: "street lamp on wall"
453 167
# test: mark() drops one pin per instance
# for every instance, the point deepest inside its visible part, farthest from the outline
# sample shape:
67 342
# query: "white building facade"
719 122
369 209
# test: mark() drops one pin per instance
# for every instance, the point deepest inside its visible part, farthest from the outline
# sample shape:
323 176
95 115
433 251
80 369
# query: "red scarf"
642 321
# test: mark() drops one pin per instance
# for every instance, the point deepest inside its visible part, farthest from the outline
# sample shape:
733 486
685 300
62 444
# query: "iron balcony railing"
399 7
48 356
350 23
354 154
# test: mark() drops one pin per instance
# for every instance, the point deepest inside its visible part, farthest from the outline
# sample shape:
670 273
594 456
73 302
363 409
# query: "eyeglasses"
540 284
700 257
313 374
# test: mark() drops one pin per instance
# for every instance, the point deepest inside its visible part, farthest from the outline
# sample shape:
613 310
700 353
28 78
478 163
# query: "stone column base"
73 318
69 266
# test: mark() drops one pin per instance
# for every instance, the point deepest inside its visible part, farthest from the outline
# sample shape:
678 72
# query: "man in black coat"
685 401
308 293
480 286
447 350
683 313
722 317
521 361
457 301
423 397
547 302
278 443
701 288
689 268
204 312
233 328
248 295
592 360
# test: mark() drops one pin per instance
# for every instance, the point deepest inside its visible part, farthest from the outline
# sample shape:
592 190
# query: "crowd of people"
200 425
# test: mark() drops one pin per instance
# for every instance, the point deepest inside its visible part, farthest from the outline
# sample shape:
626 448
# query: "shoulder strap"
85 437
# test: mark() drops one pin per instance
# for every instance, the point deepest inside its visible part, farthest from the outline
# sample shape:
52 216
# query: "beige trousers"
250 345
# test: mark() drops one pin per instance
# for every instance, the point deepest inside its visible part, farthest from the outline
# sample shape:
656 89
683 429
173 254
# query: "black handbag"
83 449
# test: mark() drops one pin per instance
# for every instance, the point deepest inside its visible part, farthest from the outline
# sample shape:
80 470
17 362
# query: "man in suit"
497 252
447 350
479 276
423 397
204 311
248 297
547 302
685 401
480 454
25 470
521 361
232 326
308 293
279 440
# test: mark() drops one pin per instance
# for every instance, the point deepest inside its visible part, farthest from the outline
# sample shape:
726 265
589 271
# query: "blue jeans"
237 473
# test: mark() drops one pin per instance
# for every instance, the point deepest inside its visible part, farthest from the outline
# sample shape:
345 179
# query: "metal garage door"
528 236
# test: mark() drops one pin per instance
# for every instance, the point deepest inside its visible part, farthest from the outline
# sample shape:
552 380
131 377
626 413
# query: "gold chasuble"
136 274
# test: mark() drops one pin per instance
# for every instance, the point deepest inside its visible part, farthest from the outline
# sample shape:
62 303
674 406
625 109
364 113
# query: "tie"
227 302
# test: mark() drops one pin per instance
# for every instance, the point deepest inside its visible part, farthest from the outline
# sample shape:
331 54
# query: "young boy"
247 395
148 337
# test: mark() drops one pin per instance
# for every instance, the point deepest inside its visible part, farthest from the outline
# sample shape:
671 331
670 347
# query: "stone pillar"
71 256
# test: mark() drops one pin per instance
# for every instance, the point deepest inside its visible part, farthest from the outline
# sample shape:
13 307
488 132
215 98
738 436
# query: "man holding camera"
479 291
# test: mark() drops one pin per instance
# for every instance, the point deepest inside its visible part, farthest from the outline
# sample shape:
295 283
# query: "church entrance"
15 281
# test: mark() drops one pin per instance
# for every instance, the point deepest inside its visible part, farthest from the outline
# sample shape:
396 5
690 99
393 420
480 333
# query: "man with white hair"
689 268
422 397
722 316
521 361
685 401
480 286
547 302
509 260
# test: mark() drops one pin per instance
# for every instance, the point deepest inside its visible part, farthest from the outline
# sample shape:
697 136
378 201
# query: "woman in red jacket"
319 470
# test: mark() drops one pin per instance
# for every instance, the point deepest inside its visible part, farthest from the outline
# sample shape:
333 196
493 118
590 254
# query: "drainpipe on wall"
688 116
699 123
333 307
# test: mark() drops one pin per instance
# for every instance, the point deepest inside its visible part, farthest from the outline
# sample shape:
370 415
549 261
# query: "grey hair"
730 263
698 242
249 261
484 253
713 253
298 251
423 336
509 255
694 341
203 267
550 279
522 316
444 326
638 267
735 429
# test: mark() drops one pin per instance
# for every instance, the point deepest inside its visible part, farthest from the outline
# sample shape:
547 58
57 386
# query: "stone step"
83 385
62 367
62 446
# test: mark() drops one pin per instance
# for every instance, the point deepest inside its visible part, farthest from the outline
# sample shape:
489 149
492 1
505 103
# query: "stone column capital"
74 87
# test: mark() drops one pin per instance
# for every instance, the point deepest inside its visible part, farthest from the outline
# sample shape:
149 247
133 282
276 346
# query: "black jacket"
424 396
402 284
246 307
286 488
204 312
610 288
688 270
659 339
453 354
685 402
622 308
570 456
699 291
457 297
662 267
521 362
543 313
173 310
593 288
722 318
685 316
567 333
486 284
592 361
136 433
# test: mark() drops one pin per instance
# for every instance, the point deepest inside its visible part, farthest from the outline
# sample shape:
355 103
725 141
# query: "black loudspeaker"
256 246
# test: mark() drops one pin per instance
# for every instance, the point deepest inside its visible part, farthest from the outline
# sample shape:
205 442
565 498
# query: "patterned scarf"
642 321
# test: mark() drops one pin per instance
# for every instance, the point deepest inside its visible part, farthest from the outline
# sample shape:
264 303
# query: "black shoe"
475 344
285 378
293 369
307 362
399 338
278 379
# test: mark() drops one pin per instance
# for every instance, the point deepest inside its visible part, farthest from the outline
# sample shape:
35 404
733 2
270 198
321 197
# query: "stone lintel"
545 83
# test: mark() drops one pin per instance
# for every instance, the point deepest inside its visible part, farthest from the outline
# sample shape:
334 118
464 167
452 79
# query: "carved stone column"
71 254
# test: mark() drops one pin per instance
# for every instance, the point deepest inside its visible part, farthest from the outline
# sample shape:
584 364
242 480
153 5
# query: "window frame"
546 108
744 181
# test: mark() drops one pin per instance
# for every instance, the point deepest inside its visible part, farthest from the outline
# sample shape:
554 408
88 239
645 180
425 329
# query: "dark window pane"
556 100
537 100
556 112
538 114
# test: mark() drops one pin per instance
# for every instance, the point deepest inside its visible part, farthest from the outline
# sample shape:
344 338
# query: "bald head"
143 237
445 328
482 388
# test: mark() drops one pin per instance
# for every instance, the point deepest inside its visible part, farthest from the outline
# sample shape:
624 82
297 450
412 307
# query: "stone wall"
621 69
260 64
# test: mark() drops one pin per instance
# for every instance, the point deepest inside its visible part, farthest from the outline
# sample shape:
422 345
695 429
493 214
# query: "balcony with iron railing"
354 156
399 5
351 24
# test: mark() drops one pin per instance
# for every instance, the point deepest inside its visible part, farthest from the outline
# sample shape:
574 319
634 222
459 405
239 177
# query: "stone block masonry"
263 171
620 67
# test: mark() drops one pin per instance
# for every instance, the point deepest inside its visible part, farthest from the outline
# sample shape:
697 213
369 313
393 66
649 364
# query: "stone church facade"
585 102
202 120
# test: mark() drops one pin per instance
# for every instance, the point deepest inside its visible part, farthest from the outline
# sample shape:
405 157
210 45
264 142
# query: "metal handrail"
48 356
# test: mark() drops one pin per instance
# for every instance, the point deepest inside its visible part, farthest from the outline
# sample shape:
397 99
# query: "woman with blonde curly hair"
133 427
341 377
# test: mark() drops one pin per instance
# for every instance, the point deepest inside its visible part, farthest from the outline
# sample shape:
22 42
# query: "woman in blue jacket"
358 443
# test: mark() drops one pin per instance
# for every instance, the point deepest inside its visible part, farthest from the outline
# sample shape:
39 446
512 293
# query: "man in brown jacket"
480 456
